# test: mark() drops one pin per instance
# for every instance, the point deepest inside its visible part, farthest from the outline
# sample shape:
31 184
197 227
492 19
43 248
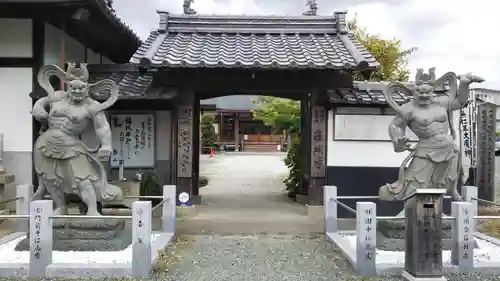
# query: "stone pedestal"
87 235
423 233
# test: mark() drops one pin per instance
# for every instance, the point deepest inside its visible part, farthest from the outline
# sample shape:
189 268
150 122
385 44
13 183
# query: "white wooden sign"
365 127
133 140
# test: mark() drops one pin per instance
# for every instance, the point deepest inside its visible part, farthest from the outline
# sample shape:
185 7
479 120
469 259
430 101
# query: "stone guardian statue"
64 165
435 160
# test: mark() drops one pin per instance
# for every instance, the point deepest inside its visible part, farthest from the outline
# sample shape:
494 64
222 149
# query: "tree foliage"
389 53
208 135
279 114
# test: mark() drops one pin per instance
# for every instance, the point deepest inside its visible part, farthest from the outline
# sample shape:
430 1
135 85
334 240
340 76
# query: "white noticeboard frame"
133 140
365 128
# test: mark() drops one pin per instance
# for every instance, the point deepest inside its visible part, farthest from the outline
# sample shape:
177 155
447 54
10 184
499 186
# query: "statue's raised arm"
435 160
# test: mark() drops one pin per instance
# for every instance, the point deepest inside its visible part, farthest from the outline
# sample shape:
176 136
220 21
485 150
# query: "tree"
208 135
279 114
392 57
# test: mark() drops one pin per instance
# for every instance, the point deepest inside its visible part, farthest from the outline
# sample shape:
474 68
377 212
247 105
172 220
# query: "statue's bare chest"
429 115
76 114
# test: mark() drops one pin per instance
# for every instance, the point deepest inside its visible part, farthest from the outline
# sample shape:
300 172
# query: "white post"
24 193
40 236
141 238
329 193
366 229
168 209
468 193
462 251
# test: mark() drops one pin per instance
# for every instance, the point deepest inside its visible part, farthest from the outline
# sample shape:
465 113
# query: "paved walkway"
245 195
256 232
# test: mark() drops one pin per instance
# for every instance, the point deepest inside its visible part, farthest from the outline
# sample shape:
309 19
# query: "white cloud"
451 35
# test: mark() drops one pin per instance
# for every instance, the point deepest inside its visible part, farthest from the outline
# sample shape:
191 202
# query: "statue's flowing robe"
65 161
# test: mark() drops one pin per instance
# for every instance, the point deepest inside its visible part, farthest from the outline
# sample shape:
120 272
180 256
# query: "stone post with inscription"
141 238
423 254
462 250
40 236
486 137
366 229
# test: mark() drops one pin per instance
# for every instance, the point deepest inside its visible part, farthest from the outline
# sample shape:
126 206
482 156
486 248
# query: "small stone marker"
330 206
23 191
366 229
141 238
462 251
40 236
468 194
423 254
168 209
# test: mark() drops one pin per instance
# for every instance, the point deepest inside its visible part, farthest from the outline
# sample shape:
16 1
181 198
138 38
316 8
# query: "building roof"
102 31
190 41
237 102
367 93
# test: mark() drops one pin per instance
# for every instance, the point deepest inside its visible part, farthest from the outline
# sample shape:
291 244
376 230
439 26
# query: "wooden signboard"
318 141
185 142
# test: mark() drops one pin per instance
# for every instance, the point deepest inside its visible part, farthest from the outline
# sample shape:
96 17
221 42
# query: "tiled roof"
253 42
369 93
111 14
133 84
237 102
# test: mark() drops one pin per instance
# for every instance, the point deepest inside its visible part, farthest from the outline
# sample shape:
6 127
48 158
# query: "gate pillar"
185 148
318 145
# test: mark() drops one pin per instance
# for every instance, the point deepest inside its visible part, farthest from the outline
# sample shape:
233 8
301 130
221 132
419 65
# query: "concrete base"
315 211
485 268
83 270
302 199
196 199
409 277
186 211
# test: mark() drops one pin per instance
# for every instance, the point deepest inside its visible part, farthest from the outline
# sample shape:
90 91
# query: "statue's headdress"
77 71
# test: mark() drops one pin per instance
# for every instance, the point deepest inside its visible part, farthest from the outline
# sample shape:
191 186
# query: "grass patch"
489 227
169 257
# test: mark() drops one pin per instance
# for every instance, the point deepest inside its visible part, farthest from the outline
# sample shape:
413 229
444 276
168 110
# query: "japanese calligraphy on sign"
368 234
467 234
133 139
36 238
185 141
318 141
486 122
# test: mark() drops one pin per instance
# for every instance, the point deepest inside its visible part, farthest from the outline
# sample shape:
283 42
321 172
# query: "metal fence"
463 215
36 218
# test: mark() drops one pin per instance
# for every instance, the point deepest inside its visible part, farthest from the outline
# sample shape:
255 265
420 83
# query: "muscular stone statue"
435 159
64 165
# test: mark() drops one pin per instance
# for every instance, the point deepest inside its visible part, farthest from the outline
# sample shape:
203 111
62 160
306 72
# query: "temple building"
236 128
36 33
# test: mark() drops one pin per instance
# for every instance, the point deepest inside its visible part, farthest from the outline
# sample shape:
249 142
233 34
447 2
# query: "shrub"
292 161
208 135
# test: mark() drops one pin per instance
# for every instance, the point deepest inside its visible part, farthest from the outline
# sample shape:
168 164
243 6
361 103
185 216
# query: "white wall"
15 108
362 153
74 51
15 38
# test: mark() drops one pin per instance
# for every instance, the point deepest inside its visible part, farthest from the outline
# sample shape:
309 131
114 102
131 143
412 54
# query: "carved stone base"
391 235
87 235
